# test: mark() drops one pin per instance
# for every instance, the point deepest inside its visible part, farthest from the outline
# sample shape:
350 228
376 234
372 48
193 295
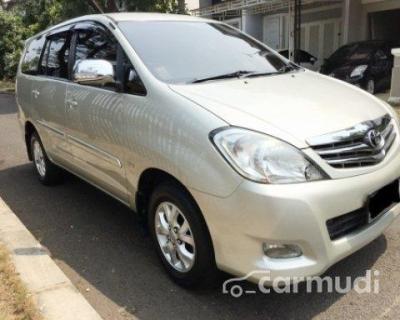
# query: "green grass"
7 86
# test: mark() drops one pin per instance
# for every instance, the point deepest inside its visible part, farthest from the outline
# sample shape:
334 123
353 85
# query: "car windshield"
354 52
188 52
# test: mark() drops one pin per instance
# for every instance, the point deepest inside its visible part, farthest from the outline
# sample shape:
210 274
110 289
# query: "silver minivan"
238 159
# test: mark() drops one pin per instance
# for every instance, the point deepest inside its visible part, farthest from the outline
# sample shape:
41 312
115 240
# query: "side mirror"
94 72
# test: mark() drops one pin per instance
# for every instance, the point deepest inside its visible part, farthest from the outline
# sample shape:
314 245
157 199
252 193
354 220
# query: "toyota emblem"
375 139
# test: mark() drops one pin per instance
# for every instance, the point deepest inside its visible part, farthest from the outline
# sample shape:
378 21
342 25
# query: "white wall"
192 4
253 25
353 21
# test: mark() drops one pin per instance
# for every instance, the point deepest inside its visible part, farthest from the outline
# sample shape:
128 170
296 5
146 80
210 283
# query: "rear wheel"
181 237
47 172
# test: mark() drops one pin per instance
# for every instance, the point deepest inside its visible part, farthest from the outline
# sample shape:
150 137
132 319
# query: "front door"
95 117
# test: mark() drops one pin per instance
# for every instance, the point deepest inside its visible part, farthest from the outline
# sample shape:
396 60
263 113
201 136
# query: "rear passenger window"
30 63
58 55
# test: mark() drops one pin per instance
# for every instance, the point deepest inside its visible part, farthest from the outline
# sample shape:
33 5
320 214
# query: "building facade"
325 24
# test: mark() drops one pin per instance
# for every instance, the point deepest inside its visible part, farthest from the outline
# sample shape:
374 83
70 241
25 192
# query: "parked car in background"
366 64
304 58
238 159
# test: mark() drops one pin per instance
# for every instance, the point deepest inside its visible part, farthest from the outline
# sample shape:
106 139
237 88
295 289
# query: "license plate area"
382 200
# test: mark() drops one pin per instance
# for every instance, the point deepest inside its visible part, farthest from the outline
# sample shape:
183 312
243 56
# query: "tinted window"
181 51
355 52
58 55
30 64
96 43
132 82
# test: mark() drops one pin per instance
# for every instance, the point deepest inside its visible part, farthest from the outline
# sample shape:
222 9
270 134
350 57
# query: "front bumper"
292 214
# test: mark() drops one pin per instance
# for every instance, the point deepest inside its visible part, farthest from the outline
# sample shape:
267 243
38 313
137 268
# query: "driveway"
106 253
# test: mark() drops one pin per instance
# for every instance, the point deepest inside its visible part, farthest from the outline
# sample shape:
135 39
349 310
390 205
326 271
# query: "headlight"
265 159
358 71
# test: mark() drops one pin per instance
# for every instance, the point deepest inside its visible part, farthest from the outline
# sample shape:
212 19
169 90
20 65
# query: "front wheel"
181 237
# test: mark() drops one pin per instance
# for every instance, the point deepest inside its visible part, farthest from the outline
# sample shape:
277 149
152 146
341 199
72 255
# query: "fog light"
282 251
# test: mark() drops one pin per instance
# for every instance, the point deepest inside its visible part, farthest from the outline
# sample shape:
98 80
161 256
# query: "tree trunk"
96 5
111 6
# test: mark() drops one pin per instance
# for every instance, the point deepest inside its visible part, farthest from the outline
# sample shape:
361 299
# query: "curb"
54 294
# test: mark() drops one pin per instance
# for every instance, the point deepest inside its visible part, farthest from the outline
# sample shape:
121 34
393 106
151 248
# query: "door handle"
72 103
35 93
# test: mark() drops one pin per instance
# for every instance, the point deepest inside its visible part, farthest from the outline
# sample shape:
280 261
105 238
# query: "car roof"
126 16
153 16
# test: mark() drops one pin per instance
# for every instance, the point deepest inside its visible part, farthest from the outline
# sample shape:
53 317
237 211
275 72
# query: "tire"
48 173
370 86
201 269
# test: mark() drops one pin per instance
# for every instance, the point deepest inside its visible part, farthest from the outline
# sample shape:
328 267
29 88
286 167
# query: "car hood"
292 106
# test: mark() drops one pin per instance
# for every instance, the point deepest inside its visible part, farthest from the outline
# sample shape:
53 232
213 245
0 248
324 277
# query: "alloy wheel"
175 237
38 157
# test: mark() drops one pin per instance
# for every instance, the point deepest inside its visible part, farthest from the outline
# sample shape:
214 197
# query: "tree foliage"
12 34
21 19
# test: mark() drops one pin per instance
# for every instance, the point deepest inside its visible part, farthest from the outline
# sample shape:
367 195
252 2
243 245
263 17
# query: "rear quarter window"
30 63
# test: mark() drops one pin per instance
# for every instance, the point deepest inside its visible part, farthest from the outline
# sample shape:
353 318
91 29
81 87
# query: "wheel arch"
149 179
29 129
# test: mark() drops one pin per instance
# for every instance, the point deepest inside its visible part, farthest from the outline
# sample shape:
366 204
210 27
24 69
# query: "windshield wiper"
247 74
286 68
236 74
259 74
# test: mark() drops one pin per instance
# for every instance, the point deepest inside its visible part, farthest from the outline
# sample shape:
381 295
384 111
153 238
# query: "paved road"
101 247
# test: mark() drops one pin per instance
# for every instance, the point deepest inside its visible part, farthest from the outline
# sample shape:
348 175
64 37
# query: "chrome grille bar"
353 147
358 147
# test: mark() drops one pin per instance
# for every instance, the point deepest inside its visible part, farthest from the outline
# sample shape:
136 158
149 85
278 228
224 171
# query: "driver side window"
95 42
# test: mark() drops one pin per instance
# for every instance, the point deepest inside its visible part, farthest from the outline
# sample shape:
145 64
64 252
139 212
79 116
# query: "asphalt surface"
103 249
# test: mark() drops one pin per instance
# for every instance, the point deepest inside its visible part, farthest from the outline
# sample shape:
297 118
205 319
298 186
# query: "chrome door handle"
72 103
35 93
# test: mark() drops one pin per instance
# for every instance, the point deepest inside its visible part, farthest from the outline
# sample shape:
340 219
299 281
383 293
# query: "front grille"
363 145
377 204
